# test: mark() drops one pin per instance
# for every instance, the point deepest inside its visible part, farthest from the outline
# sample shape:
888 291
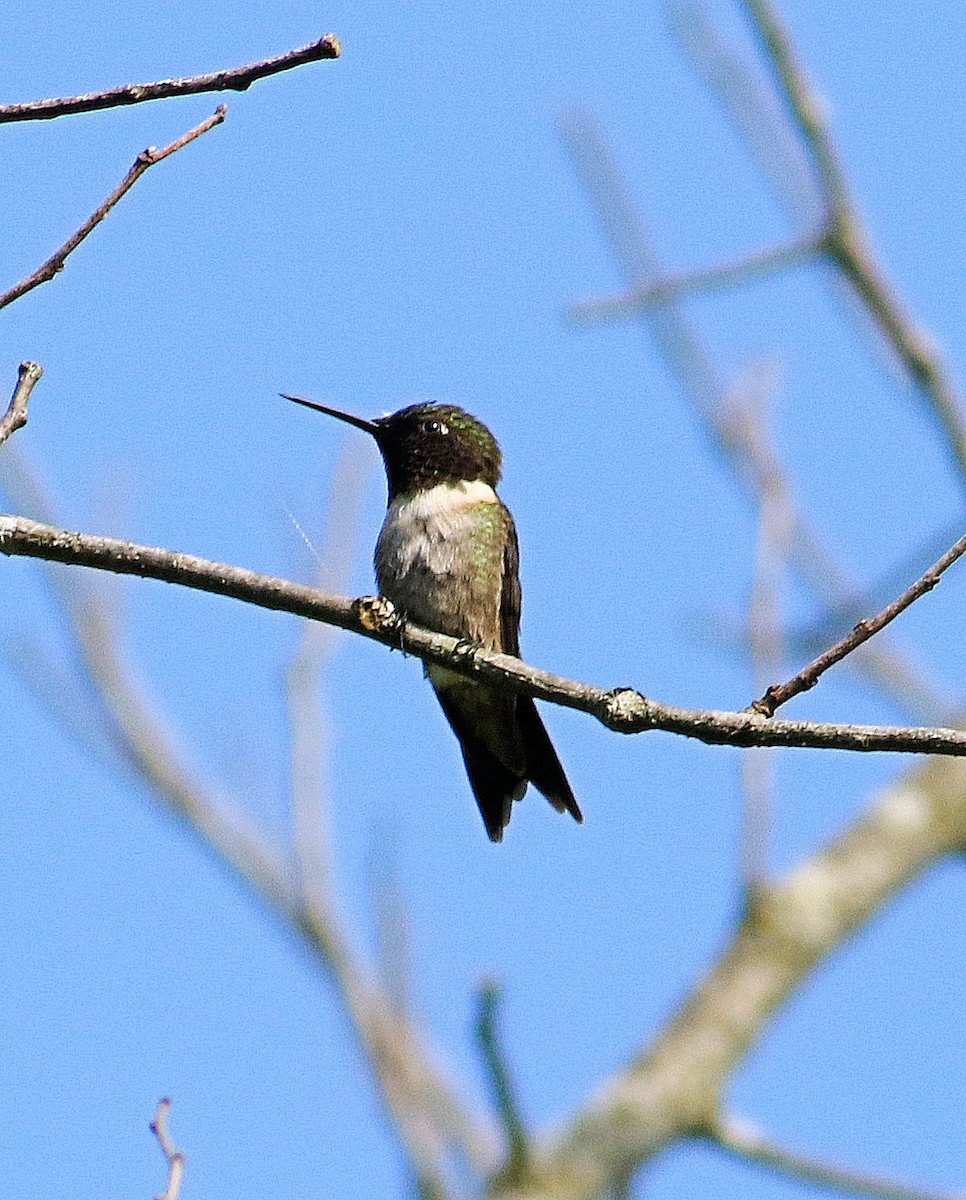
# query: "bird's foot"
378 614
465 648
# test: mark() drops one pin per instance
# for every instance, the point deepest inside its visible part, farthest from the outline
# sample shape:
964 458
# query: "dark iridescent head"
427 444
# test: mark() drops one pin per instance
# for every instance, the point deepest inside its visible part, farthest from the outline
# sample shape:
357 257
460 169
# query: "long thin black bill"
350 419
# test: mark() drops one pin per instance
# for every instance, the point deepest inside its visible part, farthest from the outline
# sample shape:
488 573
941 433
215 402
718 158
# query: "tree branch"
146 159
846 240
672 1088
236 79
778 694
610 194
751 105
488 1039
689 283
744 1140
16 415
622 709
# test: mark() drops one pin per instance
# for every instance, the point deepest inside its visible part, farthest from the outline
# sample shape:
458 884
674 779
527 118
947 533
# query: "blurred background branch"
745 1141
665 320
846 238
672 1088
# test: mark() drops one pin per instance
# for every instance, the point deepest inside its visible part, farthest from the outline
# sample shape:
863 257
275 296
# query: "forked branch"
673 1086
846 242
173 1157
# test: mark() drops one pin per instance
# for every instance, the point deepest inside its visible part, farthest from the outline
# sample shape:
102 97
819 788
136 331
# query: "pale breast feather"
439 557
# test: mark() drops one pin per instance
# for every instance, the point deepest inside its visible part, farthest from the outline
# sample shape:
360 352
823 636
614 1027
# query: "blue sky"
406 224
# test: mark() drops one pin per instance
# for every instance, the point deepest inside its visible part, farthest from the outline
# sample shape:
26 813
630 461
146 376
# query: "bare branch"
673 1086
600 172
622 709
778 694
748 1142
750 461
146 159
807 108
392 928
16 415
846 241
690 283
236 79
173 1157
494 1059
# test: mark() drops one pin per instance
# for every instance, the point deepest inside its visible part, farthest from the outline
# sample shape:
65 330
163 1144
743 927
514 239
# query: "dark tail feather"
543 766
494 785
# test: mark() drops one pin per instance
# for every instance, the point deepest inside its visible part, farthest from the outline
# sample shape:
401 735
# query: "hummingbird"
448 558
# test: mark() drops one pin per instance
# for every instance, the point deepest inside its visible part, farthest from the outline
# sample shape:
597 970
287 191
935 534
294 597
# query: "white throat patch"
446 498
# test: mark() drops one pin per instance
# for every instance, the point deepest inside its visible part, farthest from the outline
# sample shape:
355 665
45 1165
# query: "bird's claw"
464 648
377 614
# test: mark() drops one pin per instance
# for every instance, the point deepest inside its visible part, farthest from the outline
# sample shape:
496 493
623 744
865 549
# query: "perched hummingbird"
447 557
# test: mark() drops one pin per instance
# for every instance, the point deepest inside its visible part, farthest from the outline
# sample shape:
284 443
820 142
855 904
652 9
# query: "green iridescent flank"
488 543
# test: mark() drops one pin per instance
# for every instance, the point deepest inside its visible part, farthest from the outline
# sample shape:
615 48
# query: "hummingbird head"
427 444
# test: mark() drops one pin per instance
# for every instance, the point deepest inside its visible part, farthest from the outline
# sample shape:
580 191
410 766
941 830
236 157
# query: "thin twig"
236 79
748 1142
778 694
846 241
173 1156
494 1059
699 282
146 159
623 710
16 415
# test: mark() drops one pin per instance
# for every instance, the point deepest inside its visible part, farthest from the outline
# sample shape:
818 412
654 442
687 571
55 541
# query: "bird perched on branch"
448 559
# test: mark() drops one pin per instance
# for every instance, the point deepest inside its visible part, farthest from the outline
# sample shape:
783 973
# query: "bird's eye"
437 427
